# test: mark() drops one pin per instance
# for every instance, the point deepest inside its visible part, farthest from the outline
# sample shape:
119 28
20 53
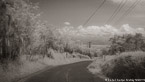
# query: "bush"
127 43
128 65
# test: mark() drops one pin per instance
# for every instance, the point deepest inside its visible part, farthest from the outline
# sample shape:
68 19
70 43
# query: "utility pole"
90 44
66 49
89 49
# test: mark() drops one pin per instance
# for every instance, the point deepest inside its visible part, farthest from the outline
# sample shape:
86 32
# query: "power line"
94 13
112 16
121 5
128 11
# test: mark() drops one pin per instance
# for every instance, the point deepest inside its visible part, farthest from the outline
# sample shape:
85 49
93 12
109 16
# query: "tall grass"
29 64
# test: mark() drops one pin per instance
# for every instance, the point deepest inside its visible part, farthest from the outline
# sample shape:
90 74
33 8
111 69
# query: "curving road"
76 72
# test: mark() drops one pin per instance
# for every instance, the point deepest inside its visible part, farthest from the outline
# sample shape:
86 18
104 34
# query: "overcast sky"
73 13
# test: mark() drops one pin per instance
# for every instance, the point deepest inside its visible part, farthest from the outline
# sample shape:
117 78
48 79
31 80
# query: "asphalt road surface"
76 72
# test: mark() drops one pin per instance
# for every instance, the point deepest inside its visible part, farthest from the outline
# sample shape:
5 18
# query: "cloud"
102 30
126 29
66 23
100 33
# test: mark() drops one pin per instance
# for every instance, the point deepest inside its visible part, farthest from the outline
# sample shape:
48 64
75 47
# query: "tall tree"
17 22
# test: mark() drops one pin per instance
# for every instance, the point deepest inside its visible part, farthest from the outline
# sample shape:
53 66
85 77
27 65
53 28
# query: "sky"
76 12
71 15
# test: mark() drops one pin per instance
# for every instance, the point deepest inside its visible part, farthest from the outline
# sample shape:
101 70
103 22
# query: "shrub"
128 65
126 43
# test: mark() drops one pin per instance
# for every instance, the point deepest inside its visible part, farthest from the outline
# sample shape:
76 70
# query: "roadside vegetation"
28 44
127 65
123 59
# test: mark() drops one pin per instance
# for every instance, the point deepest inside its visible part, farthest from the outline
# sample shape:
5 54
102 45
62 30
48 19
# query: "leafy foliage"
16 28
22 32
127 43
127 65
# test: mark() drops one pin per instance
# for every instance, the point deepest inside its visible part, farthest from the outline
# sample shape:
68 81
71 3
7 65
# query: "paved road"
76 72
